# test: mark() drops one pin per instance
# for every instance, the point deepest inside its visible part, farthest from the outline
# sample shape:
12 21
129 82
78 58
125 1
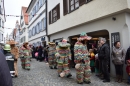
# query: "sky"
13 7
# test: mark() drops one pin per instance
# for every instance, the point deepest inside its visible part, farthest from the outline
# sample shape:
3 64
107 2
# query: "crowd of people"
60 55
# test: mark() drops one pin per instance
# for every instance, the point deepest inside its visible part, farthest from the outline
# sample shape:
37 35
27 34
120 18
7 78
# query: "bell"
62 74
77 66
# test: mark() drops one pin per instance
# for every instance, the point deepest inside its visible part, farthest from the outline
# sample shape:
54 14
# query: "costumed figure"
83 70
9 58
51 55
63 55
15 52
26 56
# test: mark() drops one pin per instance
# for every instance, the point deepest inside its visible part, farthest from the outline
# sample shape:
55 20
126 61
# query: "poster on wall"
115 37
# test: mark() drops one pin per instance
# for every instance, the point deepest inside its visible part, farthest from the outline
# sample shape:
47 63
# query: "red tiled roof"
25 14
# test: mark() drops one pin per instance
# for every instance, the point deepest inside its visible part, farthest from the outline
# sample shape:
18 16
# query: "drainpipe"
47 21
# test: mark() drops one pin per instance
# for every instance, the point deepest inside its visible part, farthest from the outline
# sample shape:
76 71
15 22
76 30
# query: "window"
0 10
44 23
38 27
37 6
0 23
40 3
2 37
54 15
74 4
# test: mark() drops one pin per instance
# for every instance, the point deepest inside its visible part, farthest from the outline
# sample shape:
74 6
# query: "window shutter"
65 7
50 17
58 11
81 2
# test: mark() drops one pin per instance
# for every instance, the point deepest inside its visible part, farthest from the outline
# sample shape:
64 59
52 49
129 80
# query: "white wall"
86 13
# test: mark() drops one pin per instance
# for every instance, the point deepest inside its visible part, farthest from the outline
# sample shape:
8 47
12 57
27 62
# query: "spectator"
128 70
5 76
46 53
40 53
118 56
127 55
104 55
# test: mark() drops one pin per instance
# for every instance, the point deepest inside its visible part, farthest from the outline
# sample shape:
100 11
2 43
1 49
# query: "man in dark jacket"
127 55
5 77
104 55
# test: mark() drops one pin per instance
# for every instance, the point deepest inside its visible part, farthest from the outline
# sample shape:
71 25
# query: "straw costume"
63 56
15 52
51 55
26 56
83 71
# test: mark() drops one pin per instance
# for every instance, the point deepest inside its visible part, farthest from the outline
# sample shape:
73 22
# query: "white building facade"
2 21
23 26
98 18
37 23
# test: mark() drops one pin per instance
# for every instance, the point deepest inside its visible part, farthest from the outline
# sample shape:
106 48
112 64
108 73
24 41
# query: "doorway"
95 37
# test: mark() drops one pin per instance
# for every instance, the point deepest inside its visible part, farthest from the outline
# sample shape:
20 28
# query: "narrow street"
41 75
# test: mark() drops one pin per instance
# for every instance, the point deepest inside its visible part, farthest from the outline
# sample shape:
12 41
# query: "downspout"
47 21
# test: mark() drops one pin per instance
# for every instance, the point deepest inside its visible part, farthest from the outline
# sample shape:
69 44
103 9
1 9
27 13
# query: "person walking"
5 77
63 56
83 70
9 58
104 55
51 55
118 58
26 53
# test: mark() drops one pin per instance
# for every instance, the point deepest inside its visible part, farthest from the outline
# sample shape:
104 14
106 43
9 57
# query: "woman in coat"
118 57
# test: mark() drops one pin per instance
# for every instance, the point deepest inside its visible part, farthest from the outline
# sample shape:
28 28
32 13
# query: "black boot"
69 75
51 67
55 67
79 82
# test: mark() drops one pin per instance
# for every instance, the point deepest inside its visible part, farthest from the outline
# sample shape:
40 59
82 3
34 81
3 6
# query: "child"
92 60
128 70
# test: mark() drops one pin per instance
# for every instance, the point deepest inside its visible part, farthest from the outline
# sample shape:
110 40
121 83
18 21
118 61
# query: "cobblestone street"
41 75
